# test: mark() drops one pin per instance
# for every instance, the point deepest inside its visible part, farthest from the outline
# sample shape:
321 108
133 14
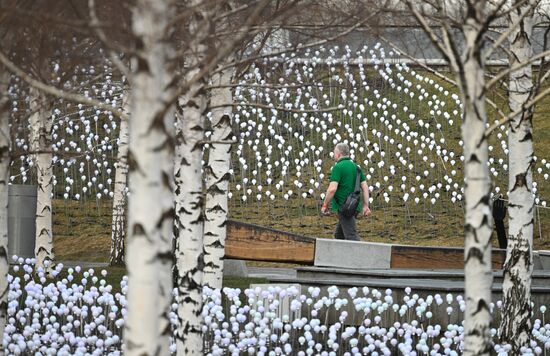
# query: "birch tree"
469 67
217 178
4 179
478 223
118 225
515 327
189 202
151 167
40 137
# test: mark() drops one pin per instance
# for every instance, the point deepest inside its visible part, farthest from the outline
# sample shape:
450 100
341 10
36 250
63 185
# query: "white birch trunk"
118 226
151 168
4 179
41 146
515 327
217 180
189 217
478 223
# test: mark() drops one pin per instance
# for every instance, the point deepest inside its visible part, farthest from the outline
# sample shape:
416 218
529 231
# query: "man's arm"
365 195
332 187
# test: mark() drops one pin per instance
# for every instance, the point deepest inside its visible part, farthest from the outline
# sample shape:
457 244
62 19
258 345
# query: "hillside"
403 125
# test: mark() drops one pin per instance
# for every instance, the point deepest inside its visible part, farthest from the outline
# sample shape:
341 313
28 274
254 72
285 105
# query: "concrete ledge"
352 254
235 268
544 259
540 278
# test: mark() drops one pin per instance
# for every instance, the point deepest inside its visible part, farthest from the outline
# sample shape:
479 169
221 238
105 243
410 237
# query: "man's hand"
324 209
366 210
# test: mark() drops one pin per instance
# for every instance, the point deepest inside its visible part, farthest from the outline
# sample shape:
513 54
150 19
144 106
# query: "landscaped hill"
403 125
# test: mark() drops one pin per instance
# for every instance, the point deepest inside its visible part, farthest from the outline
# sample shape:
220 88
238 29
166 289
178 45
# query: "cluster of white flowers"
79 313
401 126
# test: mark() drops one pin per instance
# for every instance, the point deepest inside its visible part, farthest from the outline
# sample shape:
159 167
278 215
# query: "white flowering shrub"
79 313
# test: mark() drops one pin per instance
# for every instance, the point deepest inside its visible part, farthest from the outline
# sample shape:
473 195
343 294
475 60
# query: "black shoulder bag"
349 208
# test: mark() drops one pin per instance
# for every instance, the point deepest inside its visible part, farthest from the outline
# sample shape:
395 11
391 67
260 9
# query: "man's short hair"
342 149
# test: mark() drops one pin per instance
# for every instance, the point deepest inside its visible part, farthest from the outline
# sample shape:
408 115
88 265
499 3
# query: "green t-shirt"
344 172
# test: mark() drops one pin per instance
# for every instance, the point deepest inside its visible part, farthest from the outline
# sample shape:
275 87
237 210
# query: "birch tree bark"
217 179
4 179
515 327
478 225
189 217
119 198
151 168
469 67
40 136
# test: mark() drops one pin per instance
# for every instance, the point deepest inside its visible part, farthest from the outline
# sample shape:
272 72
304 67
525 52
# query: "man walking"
342 183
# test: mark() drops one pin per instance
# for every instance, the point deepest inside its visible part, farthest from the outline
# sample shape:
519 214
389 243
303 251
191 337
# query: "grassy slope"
82 230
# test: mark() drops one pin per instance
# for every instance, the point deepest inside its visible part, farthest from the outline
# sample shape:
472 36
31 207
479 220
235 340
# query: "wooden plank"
436 257
257 243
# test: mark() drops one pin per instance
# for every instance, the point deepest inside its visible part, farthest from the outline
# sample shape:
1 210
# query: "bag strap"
358 180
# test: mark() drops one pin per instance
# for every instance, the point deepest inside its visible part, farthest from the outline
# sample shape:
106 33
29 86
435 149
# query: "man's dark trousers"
346 228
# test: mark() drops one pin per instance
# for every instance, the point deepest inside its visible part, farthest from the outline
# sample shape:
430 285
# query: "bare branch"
297 47
49 89
526 106
512 27
511 69
103 38
220 54
431 34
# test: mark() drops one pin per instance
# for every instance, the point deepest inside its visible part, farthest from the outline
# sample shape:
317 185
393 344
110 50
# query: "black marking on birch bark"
166 145
197 128
167 214
528 137
216 244
479 116
208 171
190 104
225 120
215 190
182 210
483 201
180 137
165 256
476 253
473 158
225 177
142 65
133 165
216 209
183 162
520 181
46 209
531 222
44 231
138 230
197 146
166 180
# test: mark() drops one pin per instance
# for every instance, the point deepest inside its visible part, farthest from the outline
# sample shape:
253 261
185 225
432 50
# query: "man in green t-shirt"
342 183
